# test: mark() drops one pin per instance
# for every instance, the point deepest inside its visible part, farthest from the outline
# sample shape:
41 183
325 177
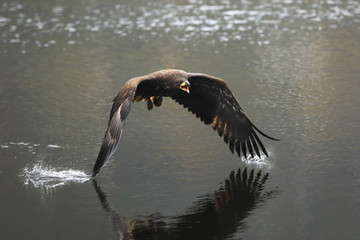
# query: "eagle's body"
208 97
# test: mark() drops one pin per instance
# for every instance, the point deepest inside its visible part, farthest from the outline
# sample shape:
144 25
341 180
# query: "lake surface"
294 67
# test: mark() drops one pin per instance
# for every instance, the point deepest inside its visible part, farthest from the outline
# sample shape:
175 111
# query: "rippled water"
32 24
293 65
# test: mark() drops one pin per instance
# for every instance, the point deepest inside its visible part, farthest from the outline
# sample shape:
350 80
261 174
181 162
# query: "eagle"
206 96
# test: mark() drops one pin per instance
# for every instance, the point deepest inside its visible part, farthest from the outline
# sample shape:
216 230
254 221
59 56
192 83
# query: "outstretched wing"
120 110
211 100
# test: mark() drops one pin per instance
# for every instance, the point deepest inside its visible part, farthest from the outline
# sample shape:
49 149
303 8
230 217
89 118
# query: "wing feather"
243 147
119 112
249 147
261 144
254 145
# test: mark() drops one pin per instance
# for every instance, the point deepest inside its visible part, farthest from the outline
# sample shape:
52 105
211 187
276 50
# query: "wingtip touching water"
207 97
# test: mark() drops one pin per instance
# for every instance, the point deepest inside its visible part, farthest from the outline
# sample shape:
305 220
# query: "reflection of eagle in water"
208 97
216 215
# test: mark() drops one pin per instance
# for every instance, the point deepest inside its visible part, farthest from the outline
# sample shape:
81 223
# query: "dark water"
294 66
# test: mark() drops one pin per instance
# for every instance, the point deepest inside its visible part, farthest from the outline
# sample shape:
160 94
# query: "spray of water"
259 162
45 177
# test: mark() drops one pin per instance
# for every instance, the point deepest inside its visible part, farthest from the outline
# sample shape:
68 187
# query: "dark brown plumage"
208 97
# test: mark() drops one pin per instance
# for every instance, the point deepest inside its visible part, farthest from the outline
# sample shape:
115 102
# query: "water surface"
294 67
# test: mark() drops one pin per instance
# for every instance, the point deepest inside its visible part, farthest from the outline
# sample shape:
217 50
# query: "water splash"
259 162
47 178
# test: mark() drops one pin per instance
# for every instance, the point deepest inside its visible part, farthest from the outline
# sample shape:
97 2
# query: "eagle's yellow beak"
185 86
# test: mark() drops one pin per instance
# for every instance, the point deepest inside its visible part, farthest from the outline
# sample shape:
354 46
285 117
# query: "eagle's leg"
149 104
157 101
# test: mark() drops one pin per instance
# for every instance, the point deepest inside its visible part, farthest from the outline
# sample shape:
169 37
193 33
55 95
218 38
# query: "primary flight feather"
208 97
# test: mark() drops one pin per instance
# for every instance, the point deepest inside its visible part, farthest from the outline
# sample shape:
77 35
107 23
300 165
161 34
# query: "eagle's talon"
157 101
149 105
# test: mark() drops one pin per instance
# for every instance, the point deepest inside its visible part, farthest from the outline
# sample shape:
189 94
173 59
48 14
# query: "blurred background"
293 65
